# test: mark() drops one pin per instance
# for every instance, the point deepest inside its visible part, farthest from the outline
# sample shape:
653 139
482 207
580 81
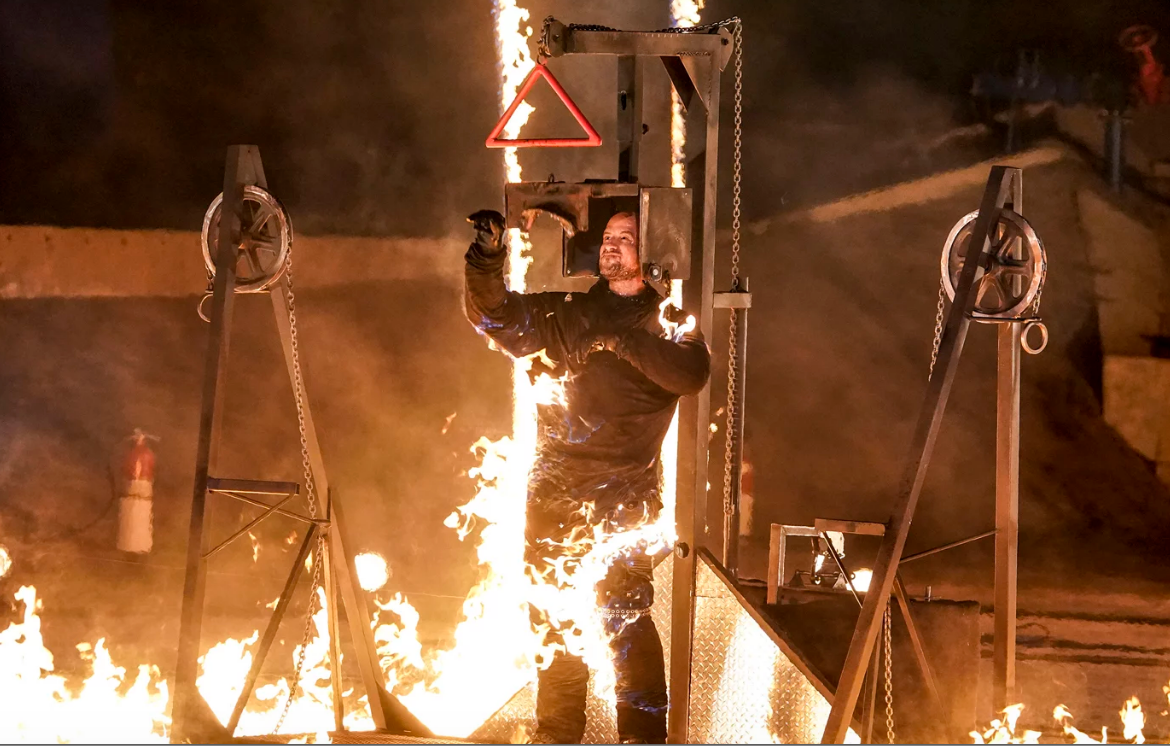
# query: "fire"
5 561
1133 721
861 579
1064 717
224 667
372 570
40 707
683 14
1004 731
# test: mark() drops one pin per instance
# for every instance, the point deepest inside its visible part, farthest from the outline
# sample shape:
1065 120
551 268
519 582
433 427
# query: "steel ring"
1028 348
199 308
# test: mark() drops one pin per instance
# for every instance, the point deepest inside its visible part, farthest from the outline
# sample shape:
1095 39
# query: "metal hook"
1028 347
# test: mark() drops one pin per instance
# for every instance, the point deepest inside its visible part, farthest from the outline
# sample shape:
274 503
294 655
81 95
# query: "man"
597 460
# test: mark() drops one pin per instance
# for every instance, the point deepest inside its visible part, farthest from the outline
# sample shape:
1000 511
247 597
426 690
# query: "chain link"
889 682
310 495
938 327
733 413
736 174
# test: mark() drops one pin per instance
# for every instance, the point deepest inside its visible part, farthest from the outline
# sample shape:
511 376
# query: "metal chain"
736 175
732 355
938 327
310 494
889 659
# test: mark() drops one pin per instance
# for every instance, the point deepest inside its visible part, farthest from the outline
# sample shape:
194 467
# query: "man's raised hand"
489 230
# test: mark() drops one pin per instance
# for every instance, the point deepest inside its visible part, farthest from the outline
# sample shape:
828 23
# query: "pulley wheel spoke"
1009 284
265 229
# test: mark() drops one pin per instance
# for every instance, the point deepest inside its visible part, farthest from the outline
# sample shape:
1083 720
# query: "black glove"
489 231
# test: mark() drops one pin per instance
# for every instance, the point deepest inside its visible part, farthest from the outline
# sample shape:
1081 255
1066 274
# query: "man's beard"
612 269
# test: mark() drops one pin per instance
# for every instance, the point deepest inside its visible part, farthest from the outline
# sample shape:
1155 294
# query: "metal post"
1114 147
629 117
733 518
190 714
694 412
910 488
332 623
1007 493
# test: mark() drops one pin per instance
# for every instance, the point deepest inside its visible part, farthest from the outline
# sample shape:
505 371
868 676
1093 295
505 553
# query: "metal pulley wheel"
1014 276
265 240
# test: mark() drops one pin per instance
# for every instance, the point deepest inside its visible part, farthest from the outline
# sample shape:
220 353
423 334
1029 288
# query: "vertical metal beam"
334 633
1007 494
732 519
694 412
191 717
910 488
629 117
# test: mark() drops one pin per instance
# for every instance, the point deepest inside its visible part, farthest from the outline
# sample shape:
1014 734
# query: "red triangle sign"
591 139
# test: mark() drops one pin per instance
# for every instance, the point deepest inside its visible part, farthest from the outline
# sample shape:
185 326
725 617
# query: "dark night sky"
371 115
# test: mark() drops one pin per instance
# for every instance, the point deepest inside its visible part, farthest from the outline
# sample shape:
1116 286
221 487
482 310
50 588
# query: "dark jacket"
603 445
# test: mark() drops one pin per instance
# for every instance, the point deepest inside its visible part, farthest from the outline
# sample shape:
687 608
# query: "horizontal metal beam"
864 528
651 43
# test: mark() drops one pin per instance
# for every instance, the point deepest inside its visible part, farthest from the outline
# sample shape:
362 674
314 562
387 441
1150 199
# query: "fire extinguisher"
135 511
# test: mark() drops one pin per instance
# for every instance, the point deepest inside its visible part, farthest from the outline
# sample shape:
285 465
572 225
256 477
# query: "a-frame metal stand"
192 719
1004 187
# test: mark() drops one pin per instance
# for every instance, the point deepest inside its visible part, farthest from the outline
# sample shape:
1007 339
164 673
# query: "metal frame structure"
1004 188
191 717
694 62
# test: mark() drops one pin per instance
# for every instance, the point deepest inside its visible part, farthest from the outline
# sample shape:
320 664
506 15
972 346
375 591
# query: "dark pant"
625 597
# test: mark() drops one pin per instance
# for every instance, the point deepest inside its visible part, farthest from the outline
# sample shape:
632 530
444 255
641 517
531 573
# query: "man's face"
619 249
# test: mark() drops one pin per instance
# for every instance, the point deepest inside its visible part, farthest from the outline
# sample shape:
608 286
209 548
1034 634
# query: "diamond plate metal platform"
747 684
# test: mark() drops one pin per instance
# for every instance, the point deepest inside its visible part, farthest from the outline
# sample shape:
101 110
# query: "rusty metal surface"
743 688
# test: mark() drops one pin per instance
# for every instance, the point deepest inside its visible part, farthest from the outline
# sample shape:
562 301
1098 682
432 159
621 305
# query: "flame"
683 14
255 546
39 707
5 561
372 570
224 667
1004 731
861 579
1064 717
1133 720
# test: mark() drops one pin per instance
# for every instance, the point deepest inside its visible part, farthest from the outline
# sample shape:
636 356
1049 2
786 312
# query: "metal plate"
743 688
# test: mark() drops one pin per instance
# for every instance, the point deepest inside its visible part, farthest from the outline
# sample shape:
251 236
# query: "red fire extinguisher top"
139 460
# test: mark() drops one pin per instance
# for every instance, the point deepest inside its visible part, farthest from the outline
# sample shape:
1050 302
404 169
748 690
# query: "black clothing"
597 460
605 445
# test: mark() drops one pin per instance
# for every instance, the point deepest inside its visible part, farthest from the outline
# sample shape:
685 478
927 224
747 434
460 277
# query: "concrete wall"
44 261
